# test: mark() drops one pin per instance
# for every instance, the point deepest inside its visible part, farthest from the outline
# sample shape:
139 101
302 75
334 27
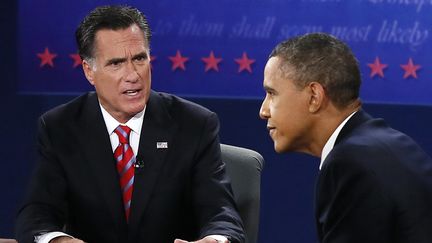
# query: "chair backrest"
244 167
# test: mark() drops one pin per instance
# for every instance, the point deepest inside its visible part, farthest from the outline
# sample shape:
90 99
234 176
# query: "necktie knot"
123 134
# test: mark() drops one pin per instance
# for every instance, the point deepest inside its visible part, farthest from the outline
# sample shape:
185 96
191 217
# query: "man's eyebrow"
141 54
268 88
115 60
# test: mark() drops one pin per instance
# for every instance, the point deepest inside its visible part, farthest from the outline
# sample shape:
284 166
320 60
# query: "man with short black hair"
375 183
125 163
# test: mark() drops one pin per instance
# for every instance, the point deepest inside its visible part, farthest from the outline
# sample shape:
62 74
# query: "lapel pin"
162 145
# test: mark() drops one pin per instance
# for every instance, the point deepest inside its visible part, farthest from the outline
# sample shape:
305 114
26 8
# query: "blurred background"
213 53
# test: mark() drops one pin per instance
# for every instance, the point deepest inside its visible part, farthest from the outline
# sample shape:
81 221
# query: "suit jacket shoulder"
374 182
176 107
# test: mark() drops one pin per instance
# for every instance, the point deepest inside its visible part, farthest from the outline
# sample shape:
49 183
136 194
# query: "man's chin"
132 111
280 149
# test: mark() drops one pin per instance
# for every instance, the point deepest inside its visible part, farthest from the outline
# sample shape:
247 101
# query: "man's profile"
375 183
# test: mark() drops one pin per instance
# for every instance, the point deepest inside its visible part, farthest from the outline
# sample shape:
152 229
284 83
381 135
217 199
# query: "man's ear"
88 71
317 96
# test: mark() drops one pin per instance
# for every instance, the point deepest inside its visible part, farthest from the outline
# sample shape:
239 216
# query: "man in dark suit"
375 183
127 164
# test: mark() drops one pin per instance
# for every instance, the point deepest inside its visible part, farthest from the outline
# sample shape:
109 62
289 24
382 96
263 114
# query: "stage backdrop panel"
219 48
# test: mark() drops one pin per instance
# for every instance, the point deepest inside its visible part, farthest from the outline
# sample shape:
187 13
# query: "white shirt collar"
135 123
331 141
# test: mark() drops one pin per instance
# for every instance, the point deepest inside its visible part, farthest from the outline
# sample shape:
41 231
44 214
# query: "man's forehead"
131 33
120 34
125 43
273 68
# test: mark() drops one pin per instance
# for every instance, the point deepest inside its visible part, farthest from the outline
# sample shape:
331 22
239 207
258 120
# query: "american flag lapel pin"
162 145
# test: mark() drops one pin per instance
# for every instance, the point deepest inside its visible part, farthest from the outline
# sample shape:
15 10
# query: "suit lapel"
97 149
158 126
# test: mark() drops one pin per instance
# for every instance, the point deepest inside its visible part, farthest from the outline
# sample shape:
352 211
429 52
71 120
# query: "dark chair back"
244 167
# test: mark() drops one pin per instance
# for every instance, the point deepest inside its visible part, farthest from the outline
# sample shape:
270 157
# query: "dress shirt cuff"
219 238
45 238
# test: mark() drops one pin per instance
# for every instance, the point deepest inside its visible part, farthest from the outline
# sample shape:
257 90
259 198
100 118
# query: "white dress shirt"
135 124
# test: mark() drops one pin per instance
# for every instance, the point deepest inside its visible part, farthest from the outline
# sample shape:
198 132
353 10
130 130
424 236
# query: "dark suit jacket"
374 186
181 191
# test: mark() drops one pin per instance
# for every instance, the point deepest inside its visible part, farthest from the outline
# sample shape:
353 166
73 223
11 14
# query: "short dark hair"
322 58
113 17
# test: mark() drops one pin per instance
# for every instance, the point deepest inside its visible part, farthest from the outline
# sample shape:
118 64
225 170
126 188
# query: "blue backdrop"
390 39
214 52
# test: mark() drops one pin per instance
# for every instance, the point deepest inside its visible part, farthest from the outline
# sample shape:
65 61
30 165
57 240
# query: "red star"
77 59
244 63
46 58
178 61
410 69
211 62
377 68
152 58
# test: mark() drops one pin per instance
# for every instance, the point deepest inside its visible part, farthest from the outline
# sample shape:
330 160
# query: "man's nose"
131 73
264 111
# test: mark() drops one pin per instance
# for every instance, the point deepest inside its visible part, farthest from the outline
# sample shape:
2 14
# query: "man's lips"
131 92
271 129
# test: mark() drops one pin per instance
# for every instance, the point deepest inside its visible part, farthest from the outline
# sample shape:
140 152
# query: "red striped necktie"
125 165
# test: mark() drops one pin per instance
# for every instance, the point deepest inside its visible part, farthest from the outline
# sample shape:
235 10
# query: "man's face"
285 108
120 71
